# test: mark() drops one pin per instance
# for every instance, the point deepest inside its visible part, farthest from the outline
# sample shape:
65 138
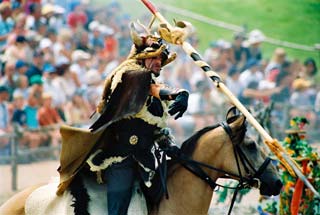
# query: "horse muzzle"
271 187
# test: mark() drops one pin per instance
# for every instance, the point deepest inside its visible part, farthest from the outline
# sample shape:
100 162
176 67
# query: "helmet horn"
137 40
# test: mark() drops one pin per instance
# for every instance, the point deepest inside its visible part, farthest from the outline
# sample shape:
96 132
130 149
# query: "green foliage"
271 207
298 147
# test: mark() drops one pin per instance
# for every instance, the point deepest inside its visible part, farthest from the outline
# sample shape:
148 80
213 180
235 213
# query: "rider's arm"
180 97
163 92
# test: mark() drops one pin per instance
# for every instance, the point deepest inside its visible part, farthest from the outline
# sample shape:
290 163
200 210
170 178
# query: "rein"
244 182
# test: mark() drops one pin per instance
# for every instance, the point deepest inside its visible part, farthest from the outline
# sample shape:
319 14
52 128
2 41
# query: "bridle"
245 181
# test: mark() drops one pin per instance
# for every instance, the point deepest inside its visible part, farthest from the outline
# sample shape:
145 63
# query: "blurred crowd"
55 55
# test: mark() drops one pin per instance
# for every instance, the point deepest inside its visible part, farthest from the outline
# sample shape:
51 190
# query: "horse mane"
189 145
237 136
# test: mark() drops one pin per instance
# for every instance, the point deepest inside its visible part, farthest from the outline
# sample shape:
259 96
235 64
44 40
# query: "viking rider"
131 124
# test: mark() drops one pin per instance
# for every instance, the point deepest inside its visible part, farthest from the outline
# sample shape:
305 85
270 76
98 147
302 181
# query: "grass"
289 20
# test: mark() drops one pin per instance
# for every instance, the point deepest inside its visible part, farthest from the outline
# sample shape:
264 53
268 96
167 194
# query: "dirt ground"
28 174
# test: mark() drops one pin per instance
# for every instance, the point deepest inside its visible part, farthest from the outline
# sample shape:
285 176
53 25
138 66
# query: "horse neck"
189 194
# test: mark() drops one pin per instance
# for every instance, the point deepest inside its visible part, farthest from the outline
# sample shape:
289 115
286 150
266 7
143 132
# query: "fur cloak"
125 92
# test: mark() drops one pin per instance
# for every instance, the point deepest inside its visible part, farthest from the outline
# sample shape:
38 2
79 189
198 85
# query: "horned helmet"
149 46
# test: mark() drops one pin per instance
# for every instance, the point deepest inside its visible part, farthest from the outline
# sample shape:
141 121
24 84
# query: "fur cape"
125 92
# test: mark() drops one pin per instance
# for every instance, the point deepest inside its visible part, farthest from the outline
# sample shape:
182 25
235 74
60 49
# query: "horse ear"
232 114
238 120
235 117
238 127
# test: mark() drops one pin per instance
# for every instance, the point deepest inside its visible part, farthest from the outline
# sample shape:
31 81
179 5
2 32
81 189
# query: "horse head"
247 160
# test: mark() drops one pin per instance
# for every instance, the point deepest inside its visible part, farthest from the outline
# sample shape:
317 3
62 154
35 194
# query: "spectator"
94 88
62 49
309 70
110 43
58 96
16 8
80 66
251 74
57 21
82 41
301 102
19 115
280 99
6 24
34 102
77 110
47 114
66 81
47 11
18 29
21 85
284 81
52 35
36 87
77 18
8 78
5 126
225 59
96 41
233 82
240 53
124 42
201 105
45 46
300 98
36 67
19 120
35 138
278 58
18 50
256 37
21 67
309 73
33 21
182 77
250 95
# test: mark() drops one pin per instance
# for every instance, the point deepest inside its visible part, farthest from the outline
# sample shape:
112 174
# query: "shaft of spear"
275 147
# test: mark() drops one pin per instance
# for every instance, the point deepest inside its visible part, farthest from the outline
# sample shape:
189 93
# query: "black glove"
173 151
155 106
180 105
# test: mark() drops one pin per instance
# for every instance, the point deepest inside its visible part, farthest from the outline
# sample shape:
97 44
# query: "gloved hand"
180 105
173 151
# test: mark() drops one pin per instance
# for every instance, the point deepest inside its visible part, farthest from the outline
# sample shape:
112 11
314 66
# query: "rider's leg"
119 179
